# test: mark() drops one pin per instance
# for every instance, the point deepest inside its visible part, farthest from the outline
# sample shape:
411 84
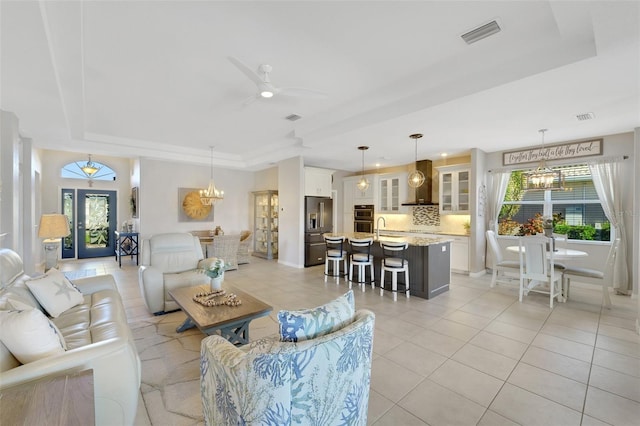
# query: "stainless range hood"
423 193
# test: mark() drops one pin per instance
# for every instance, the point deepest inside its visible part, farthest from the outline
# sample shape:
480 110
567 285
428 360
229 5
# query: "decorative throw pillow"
307 324
55 292
17 298
30 335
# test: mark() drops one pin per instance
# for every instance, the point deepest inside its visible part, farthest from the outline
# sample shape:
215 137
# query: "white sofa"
170 261
97 337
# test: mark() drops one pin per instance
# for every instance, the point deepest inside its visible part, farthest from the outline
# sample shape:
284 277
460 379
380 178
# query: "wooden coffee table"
231 321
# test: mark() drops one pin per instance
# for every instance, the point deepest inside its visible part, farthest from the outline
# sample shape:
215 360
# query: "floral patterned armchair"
323 380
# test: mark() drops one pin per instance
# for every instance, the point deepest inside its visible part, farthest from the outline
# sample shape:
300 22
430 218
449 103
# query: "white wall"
291 224
10 231
159 205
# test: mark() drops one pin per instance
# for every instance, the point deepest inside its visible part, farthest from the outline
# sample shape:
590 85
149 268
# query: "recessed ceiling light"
586 116
444 154
481 32
377 164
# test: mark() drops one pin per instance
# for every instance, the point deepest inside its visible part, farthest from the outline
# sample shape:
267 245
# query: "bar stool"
336 254
394 261
361 257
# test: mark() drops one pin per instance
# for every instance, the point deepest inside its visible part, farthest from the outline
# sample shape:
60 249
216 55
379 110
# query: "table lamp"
52 228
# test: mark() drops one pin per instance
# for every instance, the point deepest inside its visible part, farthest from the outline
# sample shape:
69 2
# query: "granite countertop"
420 231
413 241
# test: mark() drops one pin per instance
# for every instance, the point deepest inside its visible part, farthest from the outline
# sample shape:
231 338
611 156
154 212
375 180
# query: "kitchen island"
429 262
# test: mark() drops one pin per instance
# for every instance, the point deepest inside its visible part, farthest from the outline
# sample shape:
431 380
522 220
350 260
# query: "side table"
126 245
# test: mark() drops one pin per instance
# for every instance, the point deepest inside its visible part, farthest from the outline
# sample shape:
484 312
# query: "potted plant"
467 227
215 271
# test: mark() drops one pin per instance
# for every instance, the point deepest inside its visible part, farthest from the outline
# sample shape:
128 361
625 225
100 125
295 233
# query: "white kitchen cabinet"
460 254
348 189
317 182
392 190
454 189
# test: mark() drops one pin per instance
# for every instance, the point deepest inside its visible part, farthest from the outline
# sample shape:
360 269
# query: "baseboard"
478 274
293 265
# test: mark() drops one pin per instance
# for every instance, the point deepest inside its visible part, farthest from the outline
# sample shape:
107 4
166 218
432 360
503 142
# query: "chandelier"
416 178
89 168
363 183
543 178
212 194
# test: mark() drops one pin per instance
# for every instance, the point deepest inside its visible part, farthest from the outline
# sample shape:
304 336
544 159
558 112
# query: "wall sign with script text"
553 152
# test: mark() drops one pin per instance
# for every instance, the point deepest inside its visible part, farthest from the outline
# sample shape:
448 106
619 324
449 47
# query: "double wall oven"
363 218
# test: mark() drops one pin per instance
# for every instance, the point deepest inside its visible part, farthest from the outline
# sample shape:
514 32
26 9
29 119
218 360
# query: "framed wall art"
190 209
134 202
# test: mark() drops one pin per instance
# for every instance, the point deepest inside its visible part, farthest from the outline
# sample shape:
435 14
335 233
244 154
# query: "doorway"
92 220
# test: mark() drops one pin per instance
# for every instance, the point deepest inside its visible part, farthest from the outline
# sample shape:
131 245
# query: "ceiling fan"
266 89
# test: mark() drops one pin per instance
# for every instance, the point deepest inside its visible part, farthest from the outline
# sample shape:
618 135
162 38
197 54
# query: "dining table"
558 253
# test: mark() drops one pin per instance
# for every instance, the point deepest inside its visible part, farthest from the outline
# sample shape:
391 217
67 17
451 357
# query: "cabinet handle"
316 244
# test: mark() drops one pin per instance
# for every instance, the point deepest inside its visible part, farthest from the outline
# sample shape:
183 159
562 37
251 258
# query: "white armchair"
170 261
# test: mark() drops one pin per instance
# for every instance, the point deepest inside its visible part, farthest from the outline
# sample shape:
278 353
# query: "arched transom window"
92 170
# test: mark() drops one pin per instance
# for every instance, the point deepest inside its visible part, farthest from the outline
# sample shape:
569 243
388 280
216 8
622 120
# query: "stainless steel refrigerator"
318 215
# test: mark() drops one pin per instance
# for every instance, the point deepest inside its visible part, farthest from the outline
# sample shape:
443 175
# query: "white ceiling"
153 79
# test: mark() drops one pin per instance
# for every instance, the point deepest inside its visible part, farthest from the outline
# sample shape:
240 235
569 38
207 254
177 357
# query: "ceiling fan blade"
250 100
253 76
301 92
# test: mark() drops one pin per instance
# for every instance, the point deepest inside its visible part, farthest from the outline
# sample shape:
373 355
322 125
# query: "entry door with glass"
92 216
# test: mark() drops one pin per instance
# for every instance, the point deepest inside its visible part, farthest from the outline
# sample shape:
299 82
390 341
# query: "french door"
92 219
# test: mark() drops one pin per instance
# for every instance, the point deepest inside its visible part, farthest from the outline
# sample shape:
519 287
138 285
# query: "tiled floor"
473 355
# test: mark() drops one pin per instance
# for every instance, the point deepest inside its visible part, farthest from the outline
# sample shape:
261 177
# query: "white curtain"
607 181
495 197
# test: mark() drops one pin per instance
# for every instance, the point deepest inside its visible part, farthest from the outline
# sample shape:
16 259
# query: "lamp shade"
53 226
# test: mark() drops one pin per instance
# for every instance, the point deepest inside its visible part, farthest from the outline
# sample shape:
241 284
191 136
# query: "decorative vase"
216 283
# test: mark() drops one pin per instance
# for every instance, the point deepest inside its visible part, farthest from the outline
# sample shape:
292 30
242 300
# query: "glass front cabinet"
454 189
265 229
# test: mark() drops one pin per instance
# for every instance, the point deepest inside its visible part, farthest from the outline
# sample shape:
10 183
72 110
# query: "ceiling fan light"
266 94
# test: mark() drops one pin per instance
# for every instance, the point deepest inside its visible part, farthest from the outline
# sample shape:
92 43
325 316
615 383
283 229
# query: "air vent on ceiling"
481 32
293 117
586 116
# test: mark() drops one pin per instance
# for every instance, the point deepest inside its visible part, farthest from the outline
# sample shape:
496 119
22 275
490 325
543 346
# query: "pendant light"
416 178
212 194
363 183
89 168
543 178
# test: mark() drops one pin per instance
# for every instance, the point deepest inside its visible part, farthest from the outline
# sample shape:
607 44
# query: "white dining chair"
594 276
537 269
500 267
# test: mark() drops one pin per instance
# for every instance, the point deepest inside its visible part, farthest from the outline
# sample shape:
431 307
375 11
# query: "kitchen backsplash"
426 219
426 216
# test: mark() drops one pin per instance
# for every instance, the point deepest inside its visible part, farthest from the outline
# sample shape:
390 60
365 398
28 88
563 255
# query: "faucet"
378 226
